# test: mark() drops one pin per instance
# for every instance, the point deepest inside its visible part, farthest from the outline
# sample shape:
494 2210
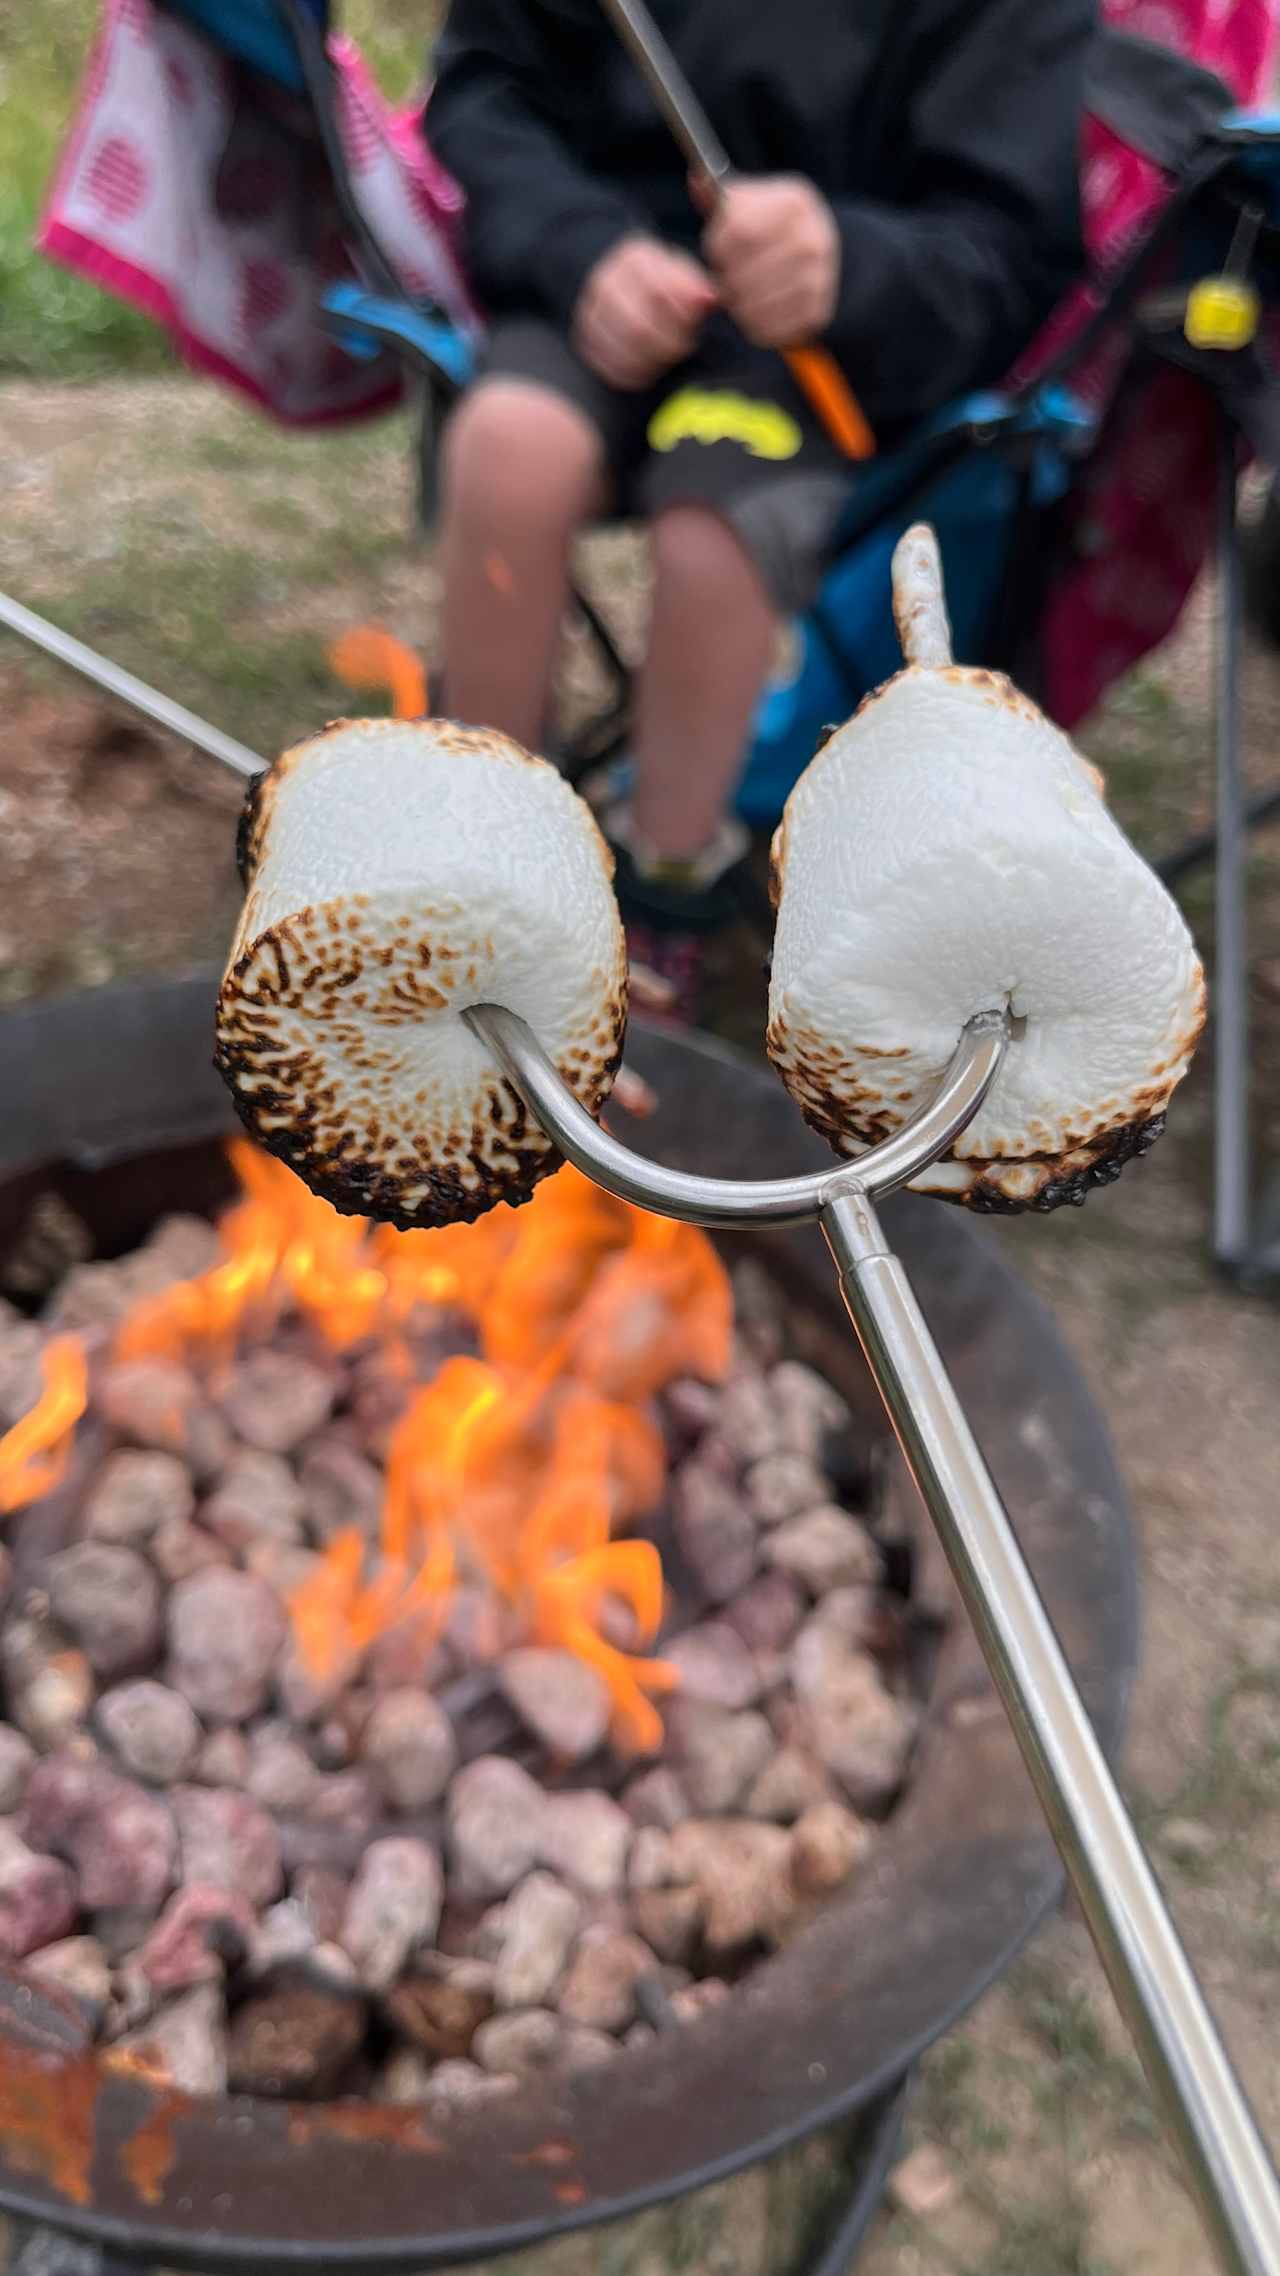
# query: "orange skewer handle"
817 372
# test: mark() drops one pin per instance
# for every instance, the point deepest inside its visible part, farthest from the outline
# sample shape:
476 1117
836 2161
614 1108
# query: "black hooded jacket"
944 133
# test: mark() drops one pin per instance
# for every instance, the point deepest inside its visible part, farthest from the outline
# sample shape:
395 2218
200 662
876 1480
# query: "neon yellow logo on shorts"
697 415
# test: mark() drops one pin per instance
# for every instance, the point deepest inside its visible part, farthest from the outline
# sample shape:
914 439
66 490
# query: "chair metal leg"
1231 1196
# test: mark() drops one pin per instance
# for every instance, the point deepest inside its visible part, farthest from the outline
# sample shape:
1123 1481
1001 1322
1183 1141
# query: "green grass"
54 325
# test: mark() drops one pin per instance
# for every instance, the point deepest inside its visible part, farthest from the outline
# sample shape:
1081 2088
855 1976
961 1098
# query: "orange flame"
513 1468
34 1454
367 657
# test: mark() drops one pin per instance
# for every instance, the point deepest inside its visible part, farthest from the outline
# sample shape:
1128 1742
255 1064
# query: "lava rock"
22 1345
714 1665
717 1753
742 1873
495 1817
526 2043
38 1901
76 1966
785 1485
841 1626
408 1658
180 1549
151 1401
228 1842
657 1798
585 1838
826 1844
792 1782
275 1399
283 1935
181 1247
108 1598
693 2000
717 1535
670 1921
309 1694
48 1683
559 1698
284 1565
281 1774
806 1409
202 1930
748 1418
456 2085
441 2006
340 1488
691 1405
862 1733
17 1761
530 1938
295 2041
347 1800
394 1905
405 2078
152 1731
118 1837
409 1744
184 2043
479 1628
223 1760
768 1614
600 1988
259 1498
136 1491
585 2049
226 1633
322 1894
825 1549
649 1864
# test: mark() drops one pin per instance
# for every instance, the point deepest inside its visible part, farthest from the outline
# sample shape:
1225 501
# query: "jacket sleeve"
537 219
940 291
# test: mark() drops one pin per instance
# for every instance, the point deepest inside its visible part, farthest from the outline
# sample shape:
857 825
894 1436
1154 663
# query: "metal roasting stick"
116 681
814 370
1150 1975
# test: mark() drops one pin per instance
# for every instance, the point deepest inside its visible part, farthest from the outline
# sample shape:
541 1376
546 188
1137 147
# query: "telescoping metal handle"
814 370
1190 2072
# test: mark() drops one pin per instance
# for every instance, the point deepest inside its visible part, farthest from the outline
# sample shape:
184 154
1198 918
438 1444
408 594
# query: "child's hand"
640 312
774 249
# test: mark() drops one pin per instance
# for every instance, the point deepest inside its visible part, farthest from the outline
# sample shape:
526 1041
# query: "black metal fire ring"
101 1086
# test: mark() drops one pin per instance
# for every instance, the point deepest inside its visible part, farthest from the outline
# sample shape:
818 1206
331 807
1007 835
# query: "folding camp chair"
1014 480
997 475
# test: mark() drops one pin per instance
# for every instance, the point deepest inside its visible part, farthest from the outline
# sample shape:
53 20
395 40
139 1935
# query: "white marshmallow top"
398 873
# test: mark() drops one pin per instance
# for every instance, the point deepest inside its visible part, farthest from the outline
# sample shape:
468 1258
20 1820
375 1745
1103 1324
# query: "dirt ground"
217 559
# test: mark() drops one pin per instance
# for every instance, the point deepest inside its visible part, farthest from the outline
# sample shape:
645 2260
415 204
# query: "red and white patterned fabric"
184 193
1140 518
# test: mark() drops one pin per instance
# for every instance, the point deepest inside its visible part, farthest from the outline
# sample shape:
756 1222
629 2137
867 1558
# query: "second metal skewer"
1154 1986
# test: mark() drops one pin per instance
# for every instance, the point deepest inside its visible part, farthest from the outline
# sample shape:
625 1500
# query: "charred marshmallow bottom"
398 873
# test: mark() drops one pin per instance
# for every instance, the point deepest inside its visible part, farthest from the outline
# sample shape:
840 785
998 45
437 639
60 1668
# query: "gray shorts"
728 430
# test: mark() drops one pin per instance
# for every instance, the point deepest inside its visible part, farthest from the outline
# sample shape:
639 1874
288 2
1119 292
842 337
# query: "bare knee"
699 559
520 456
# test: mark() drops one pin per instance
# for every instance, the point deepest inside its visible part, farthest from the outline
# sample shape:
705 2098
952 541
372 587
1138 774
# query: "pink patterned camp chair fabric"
182 192
1141 511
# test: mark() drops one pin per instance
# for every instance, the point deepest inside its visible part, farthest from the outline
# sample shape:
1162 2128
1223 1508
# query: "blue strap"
369 322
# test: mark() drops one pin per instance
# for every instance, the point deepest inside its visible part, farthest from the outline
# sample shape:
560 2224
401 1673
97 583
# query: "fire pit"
115 1113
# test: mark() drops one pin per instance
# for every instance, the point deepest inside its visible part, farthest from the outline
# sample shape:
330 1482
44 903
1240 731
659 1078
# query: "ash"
433 1872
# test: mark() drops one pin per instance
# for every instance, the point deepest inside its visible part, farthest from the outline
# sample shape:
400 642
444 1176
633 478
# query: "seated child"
908 198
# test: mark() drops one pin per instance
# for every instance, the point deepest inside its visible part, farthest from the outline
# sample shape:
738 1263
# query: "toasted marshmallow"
397 873
947 853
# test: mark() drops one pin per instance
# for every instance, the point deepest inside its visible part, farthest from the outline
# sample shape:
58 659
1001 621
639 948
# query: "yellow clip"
1222 312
